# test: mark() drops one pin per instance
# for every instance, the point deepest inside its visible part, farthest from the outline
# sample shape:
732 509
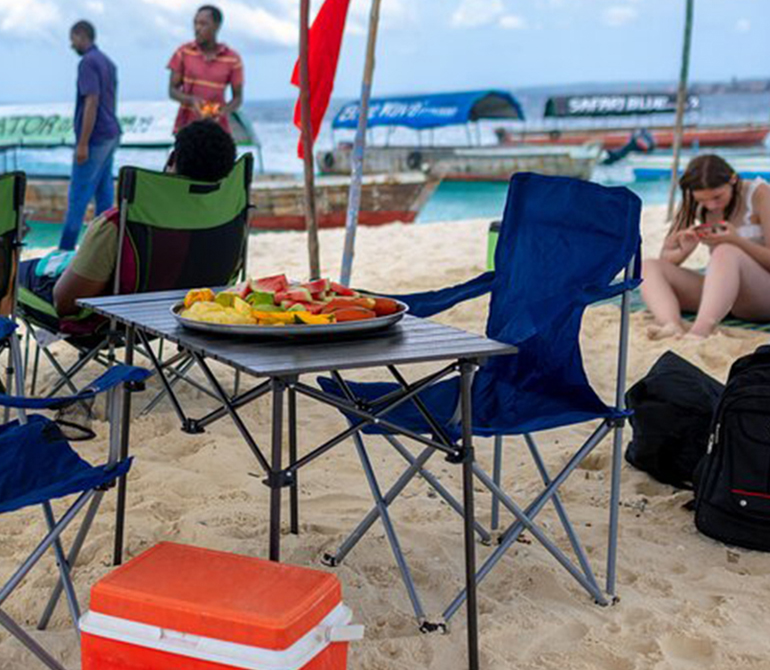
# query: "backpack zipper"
712 439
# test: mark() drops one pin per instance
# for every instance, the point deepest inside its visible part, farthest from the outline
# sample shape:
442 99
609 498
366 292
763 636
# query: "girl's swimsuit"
747 228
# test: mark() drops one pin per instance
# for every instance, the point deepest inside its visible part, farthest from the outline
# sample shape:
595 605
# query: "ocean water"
452 201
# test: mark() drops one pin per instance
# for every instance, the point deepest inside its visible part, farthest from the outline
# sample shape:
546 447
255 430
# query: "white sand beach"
686 602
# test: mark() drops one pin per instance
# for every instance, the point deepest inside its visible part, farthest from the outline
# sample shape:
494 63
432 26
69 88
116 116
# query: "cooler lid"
218 595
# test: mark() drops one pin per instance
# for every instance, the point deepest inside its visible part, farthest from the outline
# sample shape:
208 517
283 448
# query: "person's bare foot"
699 331
693 337
658 332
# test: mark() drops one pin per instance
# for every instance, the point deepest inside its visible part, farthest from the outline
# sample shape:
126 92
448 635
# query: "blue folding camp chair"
562 245
38 465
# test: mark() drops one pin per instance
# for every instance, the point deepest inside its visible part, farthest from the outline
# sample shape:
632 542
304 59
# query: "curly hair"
704 172
216 13
204 151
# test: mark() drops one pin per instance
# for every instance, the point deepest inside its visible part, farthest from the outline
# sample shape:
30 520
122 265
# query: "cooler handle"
349 633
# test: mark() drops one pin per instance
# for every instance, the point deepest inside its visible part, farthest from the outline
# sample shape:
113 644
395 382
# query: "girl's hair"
703 173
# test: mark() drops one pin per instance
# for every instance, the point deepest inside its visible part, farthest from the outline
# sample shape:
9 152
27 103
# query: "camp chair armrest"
428 303
115 376
594 294
7 326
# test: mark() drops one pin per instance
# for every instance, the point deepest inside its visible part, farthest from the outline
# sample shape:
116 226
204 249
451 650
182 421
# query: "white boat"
658 166
451 162
279 202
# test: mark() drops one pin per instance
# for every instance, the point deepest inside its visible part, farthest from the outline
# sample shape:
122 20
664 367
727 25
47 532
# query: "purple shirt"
97 75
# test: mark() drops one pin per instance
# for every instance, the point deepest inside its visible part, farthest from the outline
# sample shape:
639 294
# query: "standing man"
97 132
202 70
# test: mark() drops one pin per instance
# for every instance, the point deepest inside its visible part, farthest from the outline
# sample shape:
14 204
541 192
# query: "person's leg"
81 190
668 289
41 286
735 283
105 184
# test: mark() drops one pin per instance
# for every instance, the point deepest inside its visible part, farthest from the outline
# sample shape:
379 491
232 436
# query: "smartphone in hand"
709 229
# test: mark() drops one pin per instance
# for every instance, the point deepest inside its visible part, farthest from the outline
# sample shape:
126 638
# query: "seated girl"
730 216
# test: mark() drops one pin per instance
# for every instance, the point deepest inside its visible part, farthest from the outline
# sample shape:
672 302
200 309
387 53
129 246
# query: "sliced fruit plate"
275 306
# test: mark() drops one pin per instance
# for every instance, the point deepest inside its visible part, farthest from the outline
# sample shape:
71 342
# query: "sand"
685 600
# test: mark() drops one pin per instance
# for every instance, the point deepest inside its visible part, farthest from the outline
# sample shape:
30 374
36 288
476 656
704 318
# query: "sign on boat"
623 114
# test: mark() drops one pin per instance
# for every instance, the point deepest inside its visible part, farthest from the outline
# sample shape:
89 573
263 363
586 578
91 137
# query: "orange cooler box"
176 607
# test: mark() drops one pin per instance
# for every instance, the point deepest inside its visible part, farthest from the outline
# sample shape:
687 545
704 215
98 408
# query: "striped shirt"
205 76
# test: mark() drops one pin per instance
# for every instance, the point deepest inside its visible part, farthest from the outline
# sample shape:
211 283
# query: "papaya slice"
343 303
385 306
353 314
270 318
198 295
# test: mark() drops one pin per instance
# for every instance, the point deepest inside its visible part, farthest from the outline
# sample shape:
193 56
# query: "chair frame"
14 365
581 572
56 527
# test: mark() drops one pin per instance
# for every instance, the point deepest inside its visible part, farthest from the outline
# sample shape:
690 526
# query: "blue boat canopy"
421 112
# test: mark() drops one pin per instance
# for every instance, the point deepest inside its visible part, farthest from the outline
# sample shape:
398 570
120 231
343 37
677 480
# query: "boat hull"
648 168
463 163
279 204
615 138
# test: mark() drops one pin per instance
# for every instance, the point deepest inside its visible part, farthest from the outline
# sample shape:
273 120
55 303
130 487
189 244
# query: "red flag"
324 42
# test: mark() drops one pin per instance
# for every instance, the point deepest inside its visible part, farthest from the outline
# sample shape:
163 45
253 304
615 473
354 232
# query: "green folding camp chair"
12 190
173 233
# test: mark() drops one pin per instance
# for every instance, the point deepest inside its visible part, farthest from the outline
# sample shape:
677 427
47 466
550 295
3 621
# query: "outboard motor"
641 141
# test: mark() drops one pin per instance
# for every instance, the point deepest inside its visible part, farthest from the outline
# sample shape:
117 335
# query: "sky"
424 45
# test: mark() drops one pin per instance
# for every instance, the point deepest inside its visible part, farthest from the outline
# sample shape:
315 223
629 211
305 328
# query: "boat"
561 111
144 125
279 204
278 199
658 166
471 162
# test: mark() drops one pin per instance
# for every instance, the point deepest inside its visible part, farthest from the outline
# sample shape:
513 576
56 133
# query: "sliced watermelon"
293 305
243 289
341 290
272 284
298 294
317 288
293 295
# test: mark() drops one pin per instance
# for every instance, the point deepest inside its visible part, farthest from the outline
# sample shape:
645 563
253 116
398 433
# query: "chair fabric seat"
561 247
536 410
38 464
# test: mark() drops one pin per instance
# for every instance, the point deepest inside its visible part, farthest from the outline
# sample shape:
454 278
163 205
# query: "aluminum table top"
413 340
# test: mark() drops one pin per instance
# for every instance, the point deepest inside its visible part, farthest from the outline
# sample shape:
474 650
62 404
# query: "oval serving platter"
297 330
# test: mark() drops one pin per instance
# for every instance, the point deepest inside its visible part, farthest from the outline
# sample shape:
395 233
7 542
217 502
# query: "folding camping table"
277 366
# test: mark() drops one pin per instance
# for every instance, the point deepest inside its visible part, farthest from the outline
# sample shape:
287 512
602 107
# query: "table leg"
125 429
275 467
467 370
294 490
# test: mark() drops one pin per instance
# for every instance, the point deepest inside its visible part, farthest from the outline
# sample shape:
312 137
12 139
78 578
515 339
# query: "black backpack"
732 502
673 407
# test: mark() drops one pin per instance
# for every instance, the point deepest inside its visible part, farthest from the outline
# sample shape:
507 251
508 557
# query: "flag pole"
357 167
681 100
311 222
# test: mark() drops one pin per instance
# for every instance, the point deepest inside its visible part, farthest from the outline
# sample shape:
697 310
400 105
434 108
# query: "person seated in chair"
203 151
